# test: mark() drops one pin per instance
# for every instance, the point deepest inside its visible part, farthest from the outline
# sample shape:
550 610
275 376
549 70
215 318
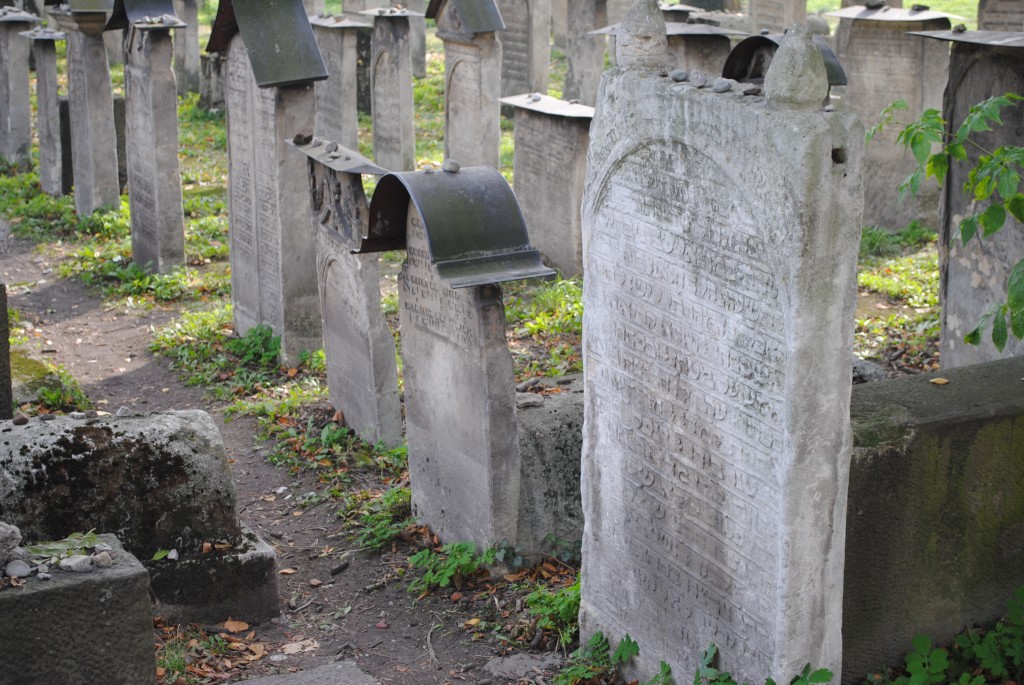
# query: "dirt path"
359 613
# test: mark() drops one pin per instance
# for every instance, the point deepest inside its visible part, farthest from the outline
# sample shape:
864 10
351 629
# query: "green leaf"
822 675
957 151
999 333
968 227
1008 183
922 644
160 554
626 650
922 149
937 167
992 219
1016 207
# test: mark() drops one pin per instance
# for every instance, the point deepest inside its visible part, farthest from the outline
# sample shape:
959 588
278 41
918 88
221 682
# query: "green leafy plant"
596 660
384 518
454 562
53 551
707 673
557 610
66 394
259 347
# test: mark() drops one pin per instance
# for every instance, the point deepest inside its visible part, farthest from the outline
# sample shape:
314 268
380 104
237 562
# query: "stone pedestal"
525 46
584 52
721 235
272 253
337 118
93 136
15 109
51 157
394 133
151 131
186 47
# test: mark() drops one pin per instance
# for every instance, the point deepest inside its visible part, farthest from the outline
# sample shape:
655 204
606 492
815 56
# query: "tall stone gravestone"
472 77
417 34
885 64
186 47
776 15
337 117
975 276
463 233
584 52
691 47
151 132
525 46
559 22
211 80
15 108
721 235
269 97
51 157
361 372
1001 15
353 9
394 131
550 167
91 101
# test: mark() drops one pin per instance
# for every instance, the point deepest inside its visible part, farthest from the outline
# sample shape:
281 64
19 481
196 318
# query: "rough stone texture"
10 539
394 134
272 279
93 135
975 276
947 461
81 627
721 237
51 160
884 64
549 171
113 43
361 372
15 108
6 379
472 76
559 22
797 75
417 36
341 673
525 46
1001 15
337 117
211 80
151 132
703 53
521 665
641 40
186 47
583 52
776 15
313 6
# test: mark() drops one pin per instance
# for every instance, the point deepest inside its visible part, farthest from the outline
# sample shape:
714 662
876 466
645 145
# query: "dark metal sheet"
390 12
674 7
12 15
43 33
127 12
888 14
225 26
338 21
738 63
338 158
545 104
478 16
996 39
675 28
91 5
475 229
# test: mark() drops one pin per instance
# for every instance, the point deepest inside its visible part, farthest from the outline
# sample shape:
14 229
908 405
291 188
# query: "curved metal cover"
477 16
994 39
676 28
739 64
338 158
475 229
860 12
128 12
225 26
13 15
90 5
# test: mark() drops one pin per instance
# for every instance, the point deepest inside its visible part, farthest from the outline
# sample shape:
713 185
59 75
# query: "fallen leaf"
160 671
267 498
301 646
314 582
456 596
293 372
382 626
472 622
222 546
207 548
233 626
297 513
287 571
939 381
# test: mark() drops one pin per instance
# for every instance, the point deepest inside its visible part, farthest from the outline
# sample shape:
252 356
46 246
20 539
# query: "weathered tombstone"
394 131
550 167
269 98
885 64
525 46
617 9
559 22
186 47
974 277
6 396
362 376
90 97
151 138
583 51
67 175
749 60
1001 15
463 233
337 118
211 80
113 42
692 47
776 15
15 108
417 34
353 9
722 235
472 78
313 7
51 159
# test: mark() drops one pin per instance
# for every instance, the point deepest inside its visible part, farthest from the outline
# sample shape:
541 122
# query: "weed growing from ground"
64 395
384 517
557 610
452 564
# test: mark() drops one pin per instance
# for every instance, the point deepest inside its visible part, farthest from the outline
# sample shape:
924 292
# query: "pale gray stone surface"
211 80
10 538
154 181
51 160
641 40
417 36
313 6
974 276
186 47
797 75
704 53
394 133
272 279
15 108
1001 15
584 53
521 665
525 46
81 627
93 136
721 237
776 15
341 673
337 117
559 22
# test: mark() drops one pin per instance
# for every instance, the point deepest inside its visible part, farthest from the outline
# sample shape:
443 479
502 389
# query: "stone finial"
797 75
641 39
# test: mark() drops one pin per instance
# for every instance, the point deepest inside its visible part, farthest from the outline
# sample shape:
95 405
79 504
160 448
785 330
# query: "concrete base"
91 627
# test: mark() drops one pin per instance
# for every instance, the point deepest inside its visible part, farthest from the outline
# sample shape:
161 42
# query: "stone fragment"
102 560
10 538
76 563
722 85
796 76
17 569
641 40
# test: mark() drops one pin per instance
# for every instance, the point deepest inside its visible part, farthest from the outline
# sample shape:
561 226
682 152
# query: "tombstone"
113 42
982 64
90 97
1001 15
721 236
186 47
551 138
559 22
417 35
362 376
472 78
885 64
776 15
749 60
692 47
313 7
211 80
394 131
463 234
15 108
51 159
353 9
6 393
269 97
584 52
337 118
617 9
525 46
67 176
151 135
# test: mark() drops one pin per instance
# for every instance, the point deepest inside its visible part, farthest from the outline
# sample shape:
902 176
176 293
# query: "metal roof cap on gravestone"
13 15
128 12
341 159
886 13
676 28
43 33
85 5
994 39
738 63
278 37
478 16
475 229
